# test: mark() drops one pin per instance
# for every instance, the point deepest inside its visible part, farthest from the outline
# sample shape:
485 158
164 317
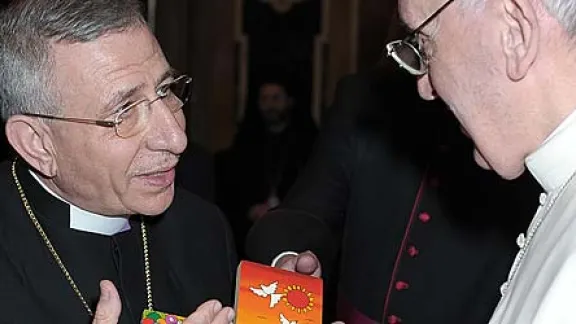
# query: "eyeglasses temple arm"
103 123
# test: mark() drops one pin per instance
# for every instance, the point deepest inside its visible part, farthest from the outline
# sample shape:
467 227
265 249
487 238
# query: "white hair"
26 29
565 12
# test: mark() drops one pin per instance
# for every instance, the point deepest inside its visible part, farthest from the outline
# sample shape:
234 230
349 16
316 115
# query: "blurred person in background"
270 149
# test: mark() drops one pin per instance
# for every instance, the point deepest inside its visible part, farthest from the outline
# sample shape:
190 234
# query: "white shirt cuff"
281 255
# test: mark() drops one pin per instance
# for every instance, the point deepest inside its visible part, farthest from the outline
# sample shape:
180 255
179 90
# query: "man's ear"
520 38
31 139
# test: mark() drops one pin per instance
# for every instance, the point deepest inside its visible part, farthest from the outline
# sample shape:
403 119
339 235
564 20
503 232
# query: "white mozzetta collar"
554 162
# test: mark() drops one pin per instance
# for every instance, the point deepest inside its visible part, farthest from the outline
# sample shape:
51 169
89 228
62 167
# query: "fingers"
109 304
287 262
225 316
204 313
307 263
211 312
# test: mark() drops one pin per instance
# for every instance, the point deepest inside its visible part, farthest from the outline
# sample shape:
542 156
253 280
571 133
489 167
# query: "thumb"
307 263
109 304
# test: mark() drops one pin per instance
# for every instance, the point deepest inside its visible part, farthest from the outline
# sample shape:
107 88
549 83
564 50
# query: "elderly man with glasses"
506 70
89 208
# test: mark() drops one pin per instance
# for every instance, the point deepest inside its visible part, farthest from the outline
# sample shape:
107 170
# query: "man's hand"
110 306
305 263
211 312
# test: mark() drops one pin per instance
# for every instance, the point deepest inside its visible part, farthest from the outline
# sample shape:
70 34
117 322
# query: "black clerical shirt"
191 254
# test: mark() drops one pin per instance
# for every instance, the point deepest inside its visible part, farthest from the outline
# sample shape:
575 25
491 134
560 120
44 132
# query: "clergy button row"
400 285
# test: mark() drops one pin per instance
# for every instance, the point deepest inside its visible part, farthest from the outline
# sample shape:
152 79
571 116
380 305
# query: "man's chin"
505 171
465 132
153 205
481 161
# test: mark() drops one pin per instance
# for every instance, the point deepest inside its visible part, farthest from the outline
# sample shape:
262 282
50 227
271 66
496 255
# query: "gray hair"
565 12
27 30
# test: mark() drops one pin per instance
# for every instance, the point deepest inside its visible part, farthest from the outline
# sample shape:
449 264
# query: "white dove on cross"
270 290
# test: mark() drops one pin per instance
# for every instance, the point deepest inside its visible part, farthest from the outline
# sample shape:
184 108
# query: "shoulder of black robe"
15 306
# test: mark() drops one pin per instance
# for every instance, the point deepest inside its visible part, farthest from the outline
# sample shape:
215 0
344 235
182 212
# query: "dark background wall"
224 44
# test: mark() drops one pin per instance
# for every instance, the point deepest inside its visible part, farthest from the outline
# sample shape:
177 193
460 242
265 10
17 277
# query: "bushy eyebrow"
124 94
120 96
170 73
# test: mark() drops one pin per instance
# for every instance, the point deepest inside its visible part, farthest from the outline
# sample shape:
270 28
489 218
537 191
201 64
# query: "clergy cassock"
190 256
407 230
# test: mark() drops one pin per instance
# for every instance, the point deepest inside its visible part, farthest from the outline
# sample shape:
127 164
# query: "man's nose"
167 129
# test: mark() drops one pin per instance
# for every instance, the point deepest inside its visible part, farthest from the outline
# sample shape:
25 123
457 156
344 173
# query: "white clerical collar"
83 220
554 162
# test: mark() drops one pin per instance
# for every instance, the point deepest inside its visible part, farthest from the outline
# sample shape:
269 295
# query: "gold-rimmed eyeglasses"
408 52
133 118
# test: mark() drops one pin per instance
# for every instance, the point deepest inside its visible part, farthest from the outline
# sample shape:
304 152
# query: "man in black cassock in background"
94 112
